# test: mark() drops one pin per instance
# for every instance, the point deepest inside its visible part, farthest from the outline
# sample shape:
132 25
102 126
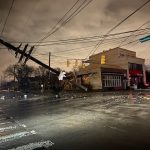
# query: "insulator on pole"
30 51
16 53
23 52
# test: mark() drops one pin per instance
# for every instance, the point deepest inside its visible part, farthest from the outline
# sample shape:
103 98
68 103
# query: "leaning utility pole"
28 56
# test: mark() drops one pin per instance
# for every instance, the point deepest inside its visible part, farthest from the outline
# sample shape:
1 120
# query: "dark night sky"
29 20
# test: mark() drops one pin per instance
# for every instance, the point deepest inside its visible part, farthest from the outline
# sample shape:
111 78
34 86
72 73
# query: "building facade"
113 69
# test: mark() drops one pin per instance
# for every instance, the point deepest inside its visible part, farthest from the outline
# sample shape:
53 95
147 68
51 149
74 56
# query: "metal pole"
1 82
49 59
49 67
14 79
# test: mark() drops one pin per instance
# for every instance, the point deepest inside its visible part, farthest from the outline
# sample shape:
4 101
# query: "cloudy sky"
30 20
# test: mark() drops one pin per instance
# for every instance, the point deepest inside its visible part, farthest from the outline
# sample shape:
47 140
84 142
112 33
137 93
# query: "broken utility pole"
28 56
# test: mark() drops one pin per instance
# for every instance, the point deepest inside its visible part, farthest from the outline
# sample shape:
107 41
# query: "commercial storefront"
120 69
113 78
136 75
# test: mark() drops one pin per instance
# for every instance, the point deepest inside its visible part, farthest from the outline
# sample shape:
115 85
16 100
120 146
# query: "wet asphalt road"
97 122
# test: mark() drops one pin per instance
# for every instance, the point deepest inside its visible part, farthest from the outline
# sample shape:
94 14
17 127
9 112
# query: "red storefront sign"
135 73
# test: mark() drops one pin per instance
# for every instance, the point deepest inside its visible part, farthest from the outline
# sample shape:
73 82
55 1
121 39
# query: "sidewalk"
64 96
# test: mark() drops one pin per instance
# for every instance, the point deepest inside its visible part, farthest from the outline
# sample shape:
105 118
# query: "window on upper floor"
133 66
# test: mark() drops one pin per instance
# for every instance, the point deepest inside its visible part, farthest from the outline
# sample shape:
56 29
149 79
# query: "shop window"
112 81
133 66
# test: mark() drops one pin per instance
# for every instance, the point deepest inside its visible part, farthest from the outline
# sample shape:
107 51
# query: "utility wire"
133 33
76 13
136 42
93 37
135 36
77 49
87 38
111 40
55 28
85 41
99 43
116 43
74 49
82 38
80 8
7 17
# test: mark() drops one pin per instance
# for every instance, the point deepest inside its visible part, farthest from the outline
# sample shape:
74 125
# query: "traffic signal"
83 65
68 63
76 63
103 59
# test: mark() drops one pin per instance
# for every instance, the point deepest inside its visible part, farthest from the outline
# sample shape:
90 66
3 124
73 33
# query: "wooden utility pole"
49 67
0 82
28 56
14 73
49 60
9 46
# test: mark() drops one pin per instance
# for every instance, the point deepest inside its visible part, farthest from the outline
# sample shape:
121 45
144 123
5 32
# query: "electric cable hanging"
99 43
133 33
7 18
109 41
55 28
96 37
82 41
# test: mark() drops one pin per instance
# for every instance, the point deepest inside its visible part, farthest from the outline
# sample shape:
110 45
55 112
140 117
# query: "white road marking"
115 128
15 136
32 146
7 128
4 118
5 123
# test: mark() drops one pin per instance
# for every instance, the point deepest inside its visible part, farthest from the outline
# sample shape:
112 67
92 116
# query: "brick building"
113 69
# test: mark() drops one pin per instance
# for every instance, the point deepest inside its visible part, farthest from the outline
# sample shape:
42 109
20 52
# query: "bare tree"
19 71
40 71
